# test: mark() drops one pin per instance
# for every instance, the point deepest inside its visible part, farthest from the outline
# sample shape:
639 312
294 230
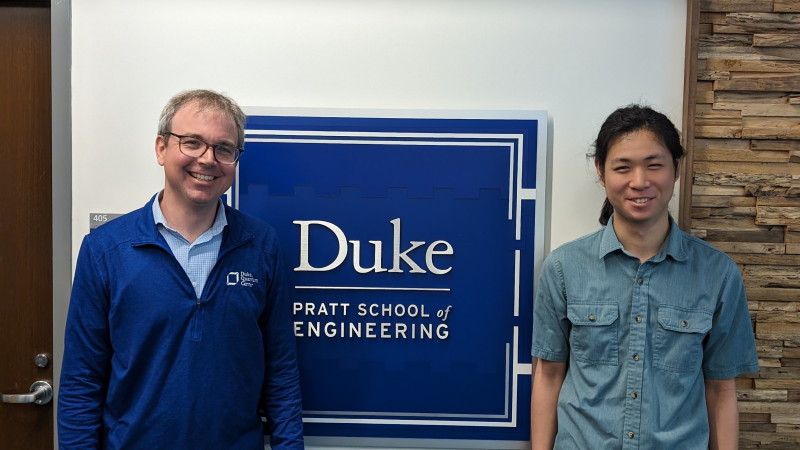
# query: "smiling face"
639 176
194 185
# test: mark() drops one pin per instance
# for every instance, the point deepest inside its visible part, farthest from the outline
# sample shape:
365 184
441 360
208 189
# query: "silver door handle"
41 394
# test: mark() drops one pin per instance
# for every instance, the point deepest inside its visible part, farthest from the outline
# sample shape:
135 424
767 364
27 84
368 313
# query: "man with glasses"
179 325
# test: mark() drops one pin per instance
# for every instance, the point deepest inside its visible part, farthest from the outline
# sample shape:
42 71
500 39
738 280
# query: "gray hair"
207 100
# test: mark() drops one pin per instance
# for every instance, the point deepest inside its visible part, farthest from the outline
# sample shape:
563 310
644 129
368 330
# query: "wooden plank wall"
744 156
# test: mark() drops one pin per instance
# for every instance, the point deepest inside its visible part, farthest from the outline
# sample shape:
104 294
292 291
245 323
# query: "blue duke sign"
411 241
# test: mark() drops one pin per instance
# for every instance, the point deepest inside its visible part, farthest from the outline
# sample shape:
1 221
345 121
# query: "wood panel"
743 157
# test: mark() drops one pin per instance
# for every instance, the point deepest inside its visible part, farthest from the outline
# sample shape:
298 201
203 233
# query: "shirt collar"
672 246
219 222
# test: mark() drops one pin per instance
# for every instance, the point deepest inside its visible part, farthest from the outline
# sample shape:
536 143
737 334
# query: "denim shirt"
640 339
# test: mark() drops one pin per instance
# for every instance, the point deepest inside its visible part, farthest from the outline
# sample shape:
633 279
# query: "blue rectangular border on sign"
412 241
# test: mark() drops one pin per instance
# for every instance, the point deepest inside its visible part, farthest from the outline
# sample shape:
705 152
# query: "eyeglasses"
195 147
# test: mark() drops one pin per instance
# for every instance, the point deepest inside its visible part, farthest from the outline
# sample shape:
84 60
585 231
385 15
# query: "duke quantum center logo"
245 279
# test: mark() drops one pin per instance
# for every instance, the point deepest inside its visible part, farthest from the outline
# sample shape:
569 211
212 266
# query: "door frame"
61 85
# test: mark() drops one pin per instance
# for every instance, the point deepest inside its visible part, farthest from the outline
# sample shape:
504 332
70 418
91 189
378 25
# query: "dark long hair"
626 120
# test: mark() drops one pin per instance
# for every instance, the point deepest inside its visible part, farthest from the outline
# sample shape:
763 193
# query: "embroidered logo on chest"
241 279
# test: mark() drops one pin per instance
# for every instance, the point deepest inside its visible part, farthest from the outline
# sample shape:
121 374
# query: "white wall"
578 59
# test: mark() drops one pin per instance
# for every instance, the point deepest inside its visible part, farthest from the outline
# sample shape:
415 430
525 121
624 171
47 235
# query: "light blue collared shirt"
196 258
640 338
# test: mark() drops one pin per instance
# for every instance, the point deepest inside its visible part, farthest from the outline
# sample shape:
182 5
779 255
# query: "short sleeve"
730 348
550 324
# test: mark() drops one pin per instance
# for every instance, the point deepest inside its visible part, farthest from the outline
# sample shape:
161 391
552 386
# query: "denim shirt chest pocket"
678 345
594 337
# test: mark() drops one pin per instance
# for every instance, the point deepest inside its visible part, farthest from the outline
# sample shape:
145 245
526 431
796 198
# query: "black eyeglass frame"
213 148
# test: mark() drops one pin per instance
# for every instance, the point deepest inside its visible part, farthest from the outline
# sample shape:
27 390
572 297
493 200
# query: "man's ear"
161 150
599 172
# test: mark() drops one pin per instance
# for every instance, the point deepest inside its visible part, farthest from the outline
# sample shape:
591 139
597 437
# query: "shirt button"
633 395
630 434
638 319
635 356
683 323
639 281
591 317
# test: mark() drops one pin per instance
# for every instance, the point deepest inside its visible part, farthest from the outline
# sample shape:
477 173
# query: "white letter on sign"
340 237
